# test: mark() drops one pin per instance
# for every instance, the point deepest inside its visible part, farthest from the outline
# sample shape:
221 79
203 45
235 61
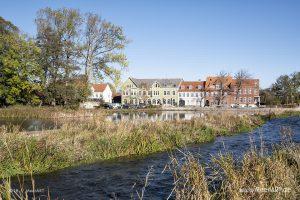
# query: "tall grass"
98 139
256 176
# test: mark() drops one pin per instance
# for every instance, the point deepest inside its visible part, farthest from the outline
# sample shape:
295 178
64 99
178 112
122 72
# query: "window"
168 92
179 94
173 92
197 94
249 91
245 100
190 87
199 87
192 94
183 94
240 91
149 92
217 86
241 99
144 92
187 94
165 92
249 100
169 101
245 91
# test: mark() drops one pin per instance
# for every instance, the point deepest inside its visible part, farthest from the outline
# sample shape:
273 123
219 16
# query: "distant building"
191 93
226 91
151 91
101 92
215 91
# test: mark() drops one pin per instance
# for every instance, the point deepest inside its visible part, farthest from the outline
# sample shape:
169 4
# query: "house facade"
101 92
214 91
191 93
229 92
151 91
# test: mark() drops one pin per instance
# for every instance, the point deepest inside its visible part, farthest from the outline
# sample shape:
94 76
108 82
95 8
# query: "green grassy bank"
97 139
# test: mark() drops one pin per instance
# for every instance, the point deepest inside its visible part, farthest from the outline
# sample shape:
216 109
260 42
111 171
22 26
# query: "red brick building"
226 91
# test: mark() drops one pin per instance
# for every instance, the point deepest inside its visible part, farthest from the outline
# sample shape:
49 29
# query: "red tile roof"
191 86
99 87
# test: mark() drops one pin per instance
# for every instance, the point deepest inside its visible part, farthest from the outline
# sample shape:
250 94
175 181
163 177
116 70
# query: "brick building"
226 91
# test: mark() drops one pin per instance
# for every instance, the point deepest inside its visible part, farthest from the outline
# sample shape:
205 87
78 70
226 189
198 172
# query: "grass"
256 176
98 139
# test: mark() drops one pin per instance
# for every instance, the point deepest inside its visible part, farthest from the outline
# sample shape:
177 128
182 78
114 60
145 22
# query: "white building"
191 93
101 92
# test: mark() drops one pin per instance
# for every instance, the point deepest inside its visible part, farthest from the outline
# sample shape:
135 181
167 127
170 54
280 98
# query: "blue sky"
192 39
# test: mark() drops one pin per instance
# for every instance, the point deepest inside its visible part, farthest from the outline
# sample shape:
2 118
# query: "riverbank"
61 113
94 140
256 176
116 178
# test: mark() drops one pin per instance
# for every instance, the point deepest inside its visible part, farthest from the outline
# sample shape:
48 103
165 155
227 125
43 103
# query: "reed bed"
48 112
256 176
97 139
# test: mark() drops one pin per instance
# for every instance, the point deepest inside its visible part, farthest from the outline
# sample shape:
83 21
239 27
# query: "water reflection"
28 124
157 116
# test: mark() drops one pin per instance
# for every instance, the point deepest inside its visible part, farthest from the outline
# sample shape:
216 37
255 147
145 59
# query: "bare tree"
240 77
221 87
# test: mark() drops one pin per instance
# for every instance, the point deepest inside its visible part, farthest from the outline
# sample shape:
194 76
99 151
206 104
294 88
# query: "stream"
125 177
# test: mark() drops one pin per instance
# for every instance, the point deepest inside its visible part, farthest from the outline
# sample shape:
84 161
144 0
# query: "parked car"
115 106
105 105
125 106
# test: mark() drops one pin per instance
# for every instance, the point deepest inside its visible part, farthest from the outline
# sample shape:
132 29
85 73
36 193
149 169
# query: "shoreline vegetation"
97 139
257 175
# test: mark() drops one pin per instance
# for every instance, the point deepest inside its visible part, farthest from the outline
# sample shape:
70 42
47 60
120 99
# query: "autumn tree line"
285 91
54 67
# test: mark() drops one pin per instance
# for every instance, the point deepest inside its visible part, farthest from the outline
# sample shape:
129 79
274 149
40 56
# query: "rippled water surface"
104 180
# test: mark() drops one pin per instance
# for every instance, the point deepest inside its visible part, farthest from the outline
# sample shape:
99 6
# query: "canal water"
154 116
25 124
125 177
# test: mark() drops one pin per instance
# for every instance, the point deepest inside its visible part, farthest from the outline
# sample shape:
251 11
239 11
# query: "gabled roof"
191 86
171 82
212 80
100 87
